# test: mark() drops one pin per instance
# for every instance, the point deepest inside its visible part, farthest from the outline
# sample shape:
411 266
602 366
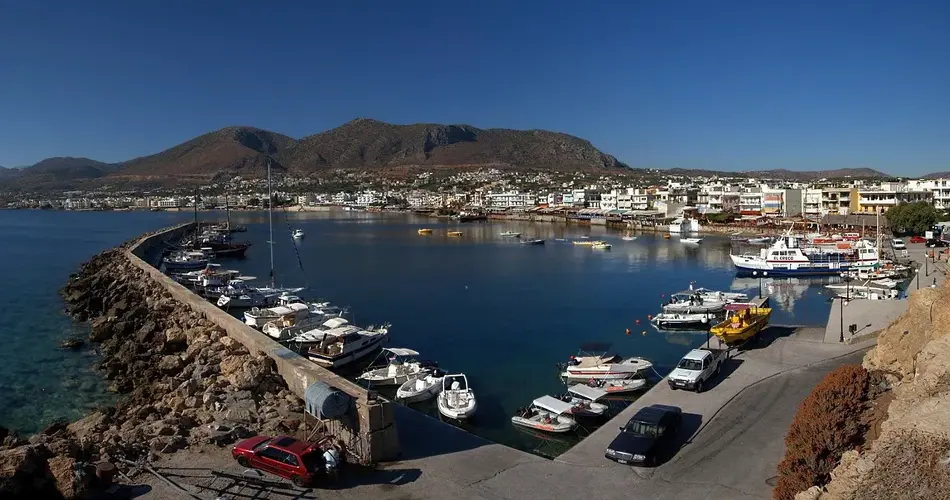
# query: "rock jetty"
185 384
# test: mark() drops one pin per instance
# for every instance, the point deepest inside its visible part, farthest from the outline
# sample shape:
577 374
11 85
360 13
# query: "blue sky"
731 85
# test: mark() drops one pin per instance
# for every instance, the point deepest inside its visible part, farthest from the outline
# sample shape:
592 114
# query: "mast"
197 227
227 211
270 222
878 231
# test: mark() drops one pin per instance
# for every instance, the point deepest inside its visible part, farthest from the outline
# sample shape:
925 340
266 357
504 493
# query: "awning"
737 306
587 392
401 351
552 405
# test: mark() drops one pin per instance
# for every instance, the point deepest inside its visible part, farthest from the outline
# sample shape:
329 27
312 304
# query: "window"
274 454
640 428
292 460
690 364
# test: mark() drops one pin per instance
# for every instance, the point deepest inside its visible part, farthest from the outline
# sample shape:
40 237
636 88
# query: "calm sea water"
501 312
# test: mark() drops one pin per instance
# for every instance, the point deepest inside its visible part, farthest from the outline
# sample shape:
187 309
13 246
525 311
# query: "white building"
939 187
511 199
368 198
608 200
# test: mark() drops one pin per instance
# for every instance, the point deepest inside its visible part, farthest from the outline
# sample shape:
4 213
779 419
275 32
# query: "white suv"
898 244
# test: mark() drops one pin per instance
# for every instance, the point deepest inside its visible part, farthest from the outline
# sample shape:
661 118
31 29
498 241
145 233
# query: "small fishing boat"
546 414
619 386
628 238
691 241
298 234
510 234
420 388
402 365
455 233
532 242
593 362
683 321
583 242
743 322
583 400
600 245
457 400
424 230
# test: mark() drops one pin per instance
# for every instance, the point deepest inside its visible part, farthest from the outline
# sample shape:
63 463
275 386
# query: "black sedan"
934 243
646 435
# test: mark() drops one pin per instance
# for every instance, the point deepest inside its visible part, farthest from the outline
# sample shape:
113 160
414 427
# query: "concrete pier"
372 435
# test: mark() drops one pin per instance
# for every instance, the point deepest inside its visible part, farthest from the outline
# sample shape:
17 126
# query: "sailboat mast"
270 222
227 211
197 228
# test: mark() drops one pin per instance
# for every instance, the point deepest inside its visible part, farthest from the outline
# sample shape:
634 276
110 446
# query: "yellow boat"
743 322
455 233
425 230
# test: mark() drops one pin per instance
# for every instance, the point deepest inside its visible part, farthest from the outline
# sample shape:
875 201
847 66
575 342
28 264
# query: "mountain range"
361 143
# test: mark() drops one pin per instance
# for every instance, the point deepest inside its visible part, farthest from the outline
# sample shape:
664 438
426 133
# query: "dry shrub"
828 423
912 465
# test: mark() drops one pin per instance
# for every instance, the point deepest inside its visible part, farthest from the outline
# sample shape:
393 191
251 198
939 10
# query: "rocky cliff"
909 456
185 383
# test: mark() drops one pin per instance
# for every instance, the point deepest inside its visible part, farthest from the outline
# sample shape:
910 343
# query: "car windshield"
640 428
262 444
312 461
690 364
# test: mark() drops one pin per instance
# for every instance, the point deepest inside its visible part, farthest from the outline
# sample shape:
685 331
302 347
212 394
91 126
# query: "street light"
841 335
760 274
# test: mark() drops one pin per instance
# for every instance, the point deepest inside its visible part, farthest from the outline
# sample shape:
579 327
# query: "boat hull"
555 426
345 359
456 413
731 335
410 395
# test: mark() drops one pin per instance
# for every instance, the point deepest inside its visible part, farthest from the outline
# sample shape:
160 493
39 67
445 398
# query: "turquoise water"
39 250
501 312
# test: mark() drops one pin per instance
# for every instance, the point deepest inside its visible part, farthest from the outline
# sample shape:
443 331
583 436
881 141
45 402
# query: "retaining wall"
372 435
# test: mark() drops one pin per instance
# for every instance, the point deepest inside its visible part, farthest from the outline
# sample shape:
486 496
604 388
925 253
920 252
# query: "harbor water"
501 312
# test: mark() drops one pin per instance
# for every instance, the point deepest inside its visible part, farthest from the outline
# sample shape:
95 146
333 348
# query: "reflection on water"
785 292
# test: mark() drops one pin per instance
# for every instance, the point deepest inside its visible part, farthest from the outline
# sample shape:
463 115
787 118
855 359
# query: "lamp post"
841 335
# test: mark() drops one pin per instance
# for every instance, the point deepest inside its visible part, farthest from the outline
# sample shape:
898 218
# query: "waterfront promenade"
730 444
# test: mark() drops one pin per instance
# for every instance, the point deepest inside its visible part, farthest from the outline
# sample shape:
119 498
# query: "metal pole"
270 222
841 336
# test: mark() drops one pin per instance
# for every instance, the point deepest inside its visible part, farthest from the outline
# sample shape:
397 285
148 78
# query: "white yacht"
683 321
510 234
593 363
281 329
790 256
684 225
341 346
307 334
290 308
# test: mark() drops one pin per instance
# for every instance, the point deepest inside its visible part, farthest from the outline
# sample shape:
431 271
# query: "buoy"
643 333
649 316
628 331
638 322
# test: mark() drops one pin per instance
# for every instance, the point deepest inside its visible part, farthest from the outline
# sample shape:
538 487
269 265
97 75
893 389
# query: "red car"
283 456
918 239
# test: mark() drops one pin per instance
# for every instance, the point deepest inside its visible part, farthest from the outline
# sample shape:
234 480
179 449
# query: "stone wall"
373 433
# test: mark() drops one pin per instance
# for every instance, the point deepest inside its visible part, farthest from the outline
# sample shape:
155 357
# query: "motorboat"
238 295
762 240
682 225
583 400
320 312
743 321
401 366
289 307
341 346
211 276
691 241
309 333
185 260
787 256
601 245
706 293
628 238
510 234
457 400
870 289
533 242
298 234
593 362
546 414
619 386
424 230
422 387
454 233
683 321
692 302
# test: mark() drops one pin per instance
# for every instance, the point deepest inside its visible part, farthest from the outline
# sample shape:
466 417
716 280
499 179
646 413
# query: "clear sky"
734 85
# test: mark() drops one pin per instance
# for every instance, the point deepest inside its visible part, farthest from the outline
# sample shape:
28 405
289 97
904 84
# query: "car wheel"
242 461
299 482
699 386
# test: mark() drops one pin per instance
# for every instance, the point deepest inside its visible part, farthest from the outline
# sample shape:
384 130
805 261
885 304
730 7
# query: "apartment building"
890 194
838 199
511 199
939 187
750 201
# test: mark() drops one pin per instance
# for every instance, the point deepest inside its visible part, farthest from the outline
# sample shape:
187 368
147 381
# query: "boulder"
228 342
87 426
231 364
145 332
63 470
102 329
249 377
24 473
170 364
175 340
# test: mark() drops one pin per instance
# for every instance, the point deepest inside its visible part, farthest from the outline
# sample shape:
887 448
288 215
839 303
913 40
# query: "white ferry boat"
788 257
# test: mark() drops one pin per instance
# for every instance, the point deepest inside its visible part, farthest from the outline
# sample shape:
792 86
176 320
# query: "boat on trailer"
546 414
457 400
584 400
594 362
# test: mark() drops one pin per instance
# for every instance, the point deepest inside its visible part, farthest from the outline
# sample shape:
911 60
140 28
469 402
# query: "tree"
912 218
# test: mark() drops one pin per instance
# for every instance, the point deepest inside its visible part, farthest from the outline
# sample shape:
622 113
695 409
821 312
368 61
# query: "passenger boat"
600 245
424 230
593 362
743 322
787 257
692 241
298 234
583 400
546 414
619 386
341 346
683 321
510 234
455 233
532 242
420 388
684 225
457 400
401 366
290 308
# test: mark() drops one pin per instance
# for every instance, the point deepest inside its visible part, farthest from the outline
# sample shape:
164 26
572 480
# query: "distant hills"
358 144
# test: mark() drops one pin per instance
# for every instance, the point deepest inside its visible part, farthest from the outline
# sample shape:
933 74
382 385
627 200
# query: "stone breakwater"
185 384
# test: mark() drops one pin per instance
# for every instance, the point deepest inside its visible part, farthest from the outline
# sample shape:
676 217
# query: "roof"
696 354
335 322
586 391
653 413
552 404
401 351
290 444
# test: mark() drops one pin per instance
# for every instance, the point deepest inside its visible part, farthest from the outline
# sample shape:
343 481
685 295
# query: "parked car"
646 435
898 244
283 456
934 243
696 368
918 239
